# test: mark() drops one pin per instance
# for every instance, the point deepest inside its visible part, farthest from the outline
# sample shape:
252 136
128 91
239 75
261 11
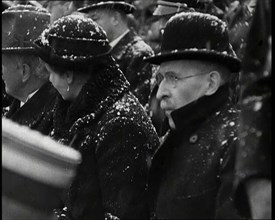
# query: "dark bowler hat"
35 172
195 35
72 41
126 7
21 25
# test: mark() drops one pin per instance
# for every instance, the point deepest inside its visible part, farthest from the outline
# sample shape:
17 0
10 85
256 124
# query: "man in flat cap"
24 74
189 177
127 47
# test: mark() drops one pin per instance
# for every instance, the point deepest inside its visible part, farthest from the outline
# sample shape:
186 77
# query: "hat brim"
46 53
233 63
123 6
18 50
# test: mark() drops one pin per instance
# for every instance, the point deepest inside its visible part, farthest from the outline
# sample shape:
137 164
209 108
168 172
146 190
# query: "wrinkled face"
12 74
104 19
59 81
181 82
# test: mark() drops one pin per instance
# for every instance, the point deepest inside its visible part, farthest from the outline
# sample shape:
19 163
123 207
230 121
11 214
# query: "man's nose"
162 90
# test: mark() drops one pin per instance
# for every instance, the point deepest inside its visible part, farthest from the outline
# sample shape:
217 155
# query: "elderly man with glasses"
191 173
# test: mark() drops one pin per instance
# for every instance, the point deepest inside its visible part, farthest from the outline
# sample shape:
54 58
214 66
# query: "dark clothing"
253 158
107 124
34 113
7 100
254 154
189 172
129 53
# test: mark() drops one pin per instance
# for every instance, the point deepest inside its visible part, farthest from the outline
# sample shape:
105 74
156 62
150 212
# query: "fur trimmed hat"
124 6
72 41
195 35
21 25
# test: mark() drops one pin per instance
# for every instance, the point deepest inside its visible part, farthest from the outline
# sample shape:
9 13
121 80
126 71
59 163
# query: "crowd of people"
167 102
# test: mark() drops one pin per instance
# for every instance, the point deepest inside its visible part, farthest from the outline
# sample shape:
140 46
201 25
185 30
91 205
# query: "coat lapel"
34 109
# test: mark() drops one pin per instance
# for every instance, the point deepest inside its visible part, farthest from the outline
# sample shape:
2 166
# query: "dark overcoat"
129 53
108 125
35 112
191 176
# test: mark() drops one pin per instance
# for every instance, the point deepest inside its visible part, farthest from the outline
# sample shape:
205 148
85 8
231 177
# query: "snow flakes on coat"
110 128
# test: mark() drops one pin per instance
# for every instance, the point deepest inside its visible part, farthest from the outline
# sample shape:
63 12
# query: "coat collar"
32 110
120 49
191 115
100 92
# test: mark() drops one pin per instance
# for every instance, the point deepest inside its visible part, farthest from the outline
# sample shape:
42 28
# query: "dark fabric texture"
107 124
35 112
7 100
191 174
253 158
129 54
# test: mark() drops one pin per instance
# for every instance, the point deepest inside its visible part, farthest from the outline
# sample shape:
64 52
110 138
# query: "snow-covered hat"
72 41
35 171
195 35
124 6
21 25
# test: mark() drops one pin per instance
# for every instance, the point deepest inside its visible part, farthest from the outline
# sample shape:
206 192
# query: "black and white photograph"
136 109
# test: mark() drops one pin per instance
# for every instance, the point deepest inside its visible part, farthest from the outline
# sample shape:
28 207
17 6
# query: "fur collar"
100 92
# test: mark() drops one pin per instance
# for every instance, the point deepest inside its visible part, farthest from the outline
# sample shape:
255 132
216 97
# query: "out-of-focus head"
110 15
21 25
60 9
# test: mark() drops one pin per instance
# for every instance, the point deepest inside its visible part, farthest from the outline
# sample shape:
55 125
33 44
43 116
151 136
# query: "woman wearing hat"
97 115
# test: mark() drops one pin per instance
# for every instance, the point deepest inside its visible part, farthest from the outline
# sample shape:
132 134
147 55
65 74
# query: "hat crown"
196 31
73 38
21 25
77 27
199 36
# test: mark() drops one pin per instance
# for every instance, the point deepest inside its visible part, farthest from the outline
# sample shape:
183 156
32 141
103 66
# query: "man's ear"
214 81
70 77
26 72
